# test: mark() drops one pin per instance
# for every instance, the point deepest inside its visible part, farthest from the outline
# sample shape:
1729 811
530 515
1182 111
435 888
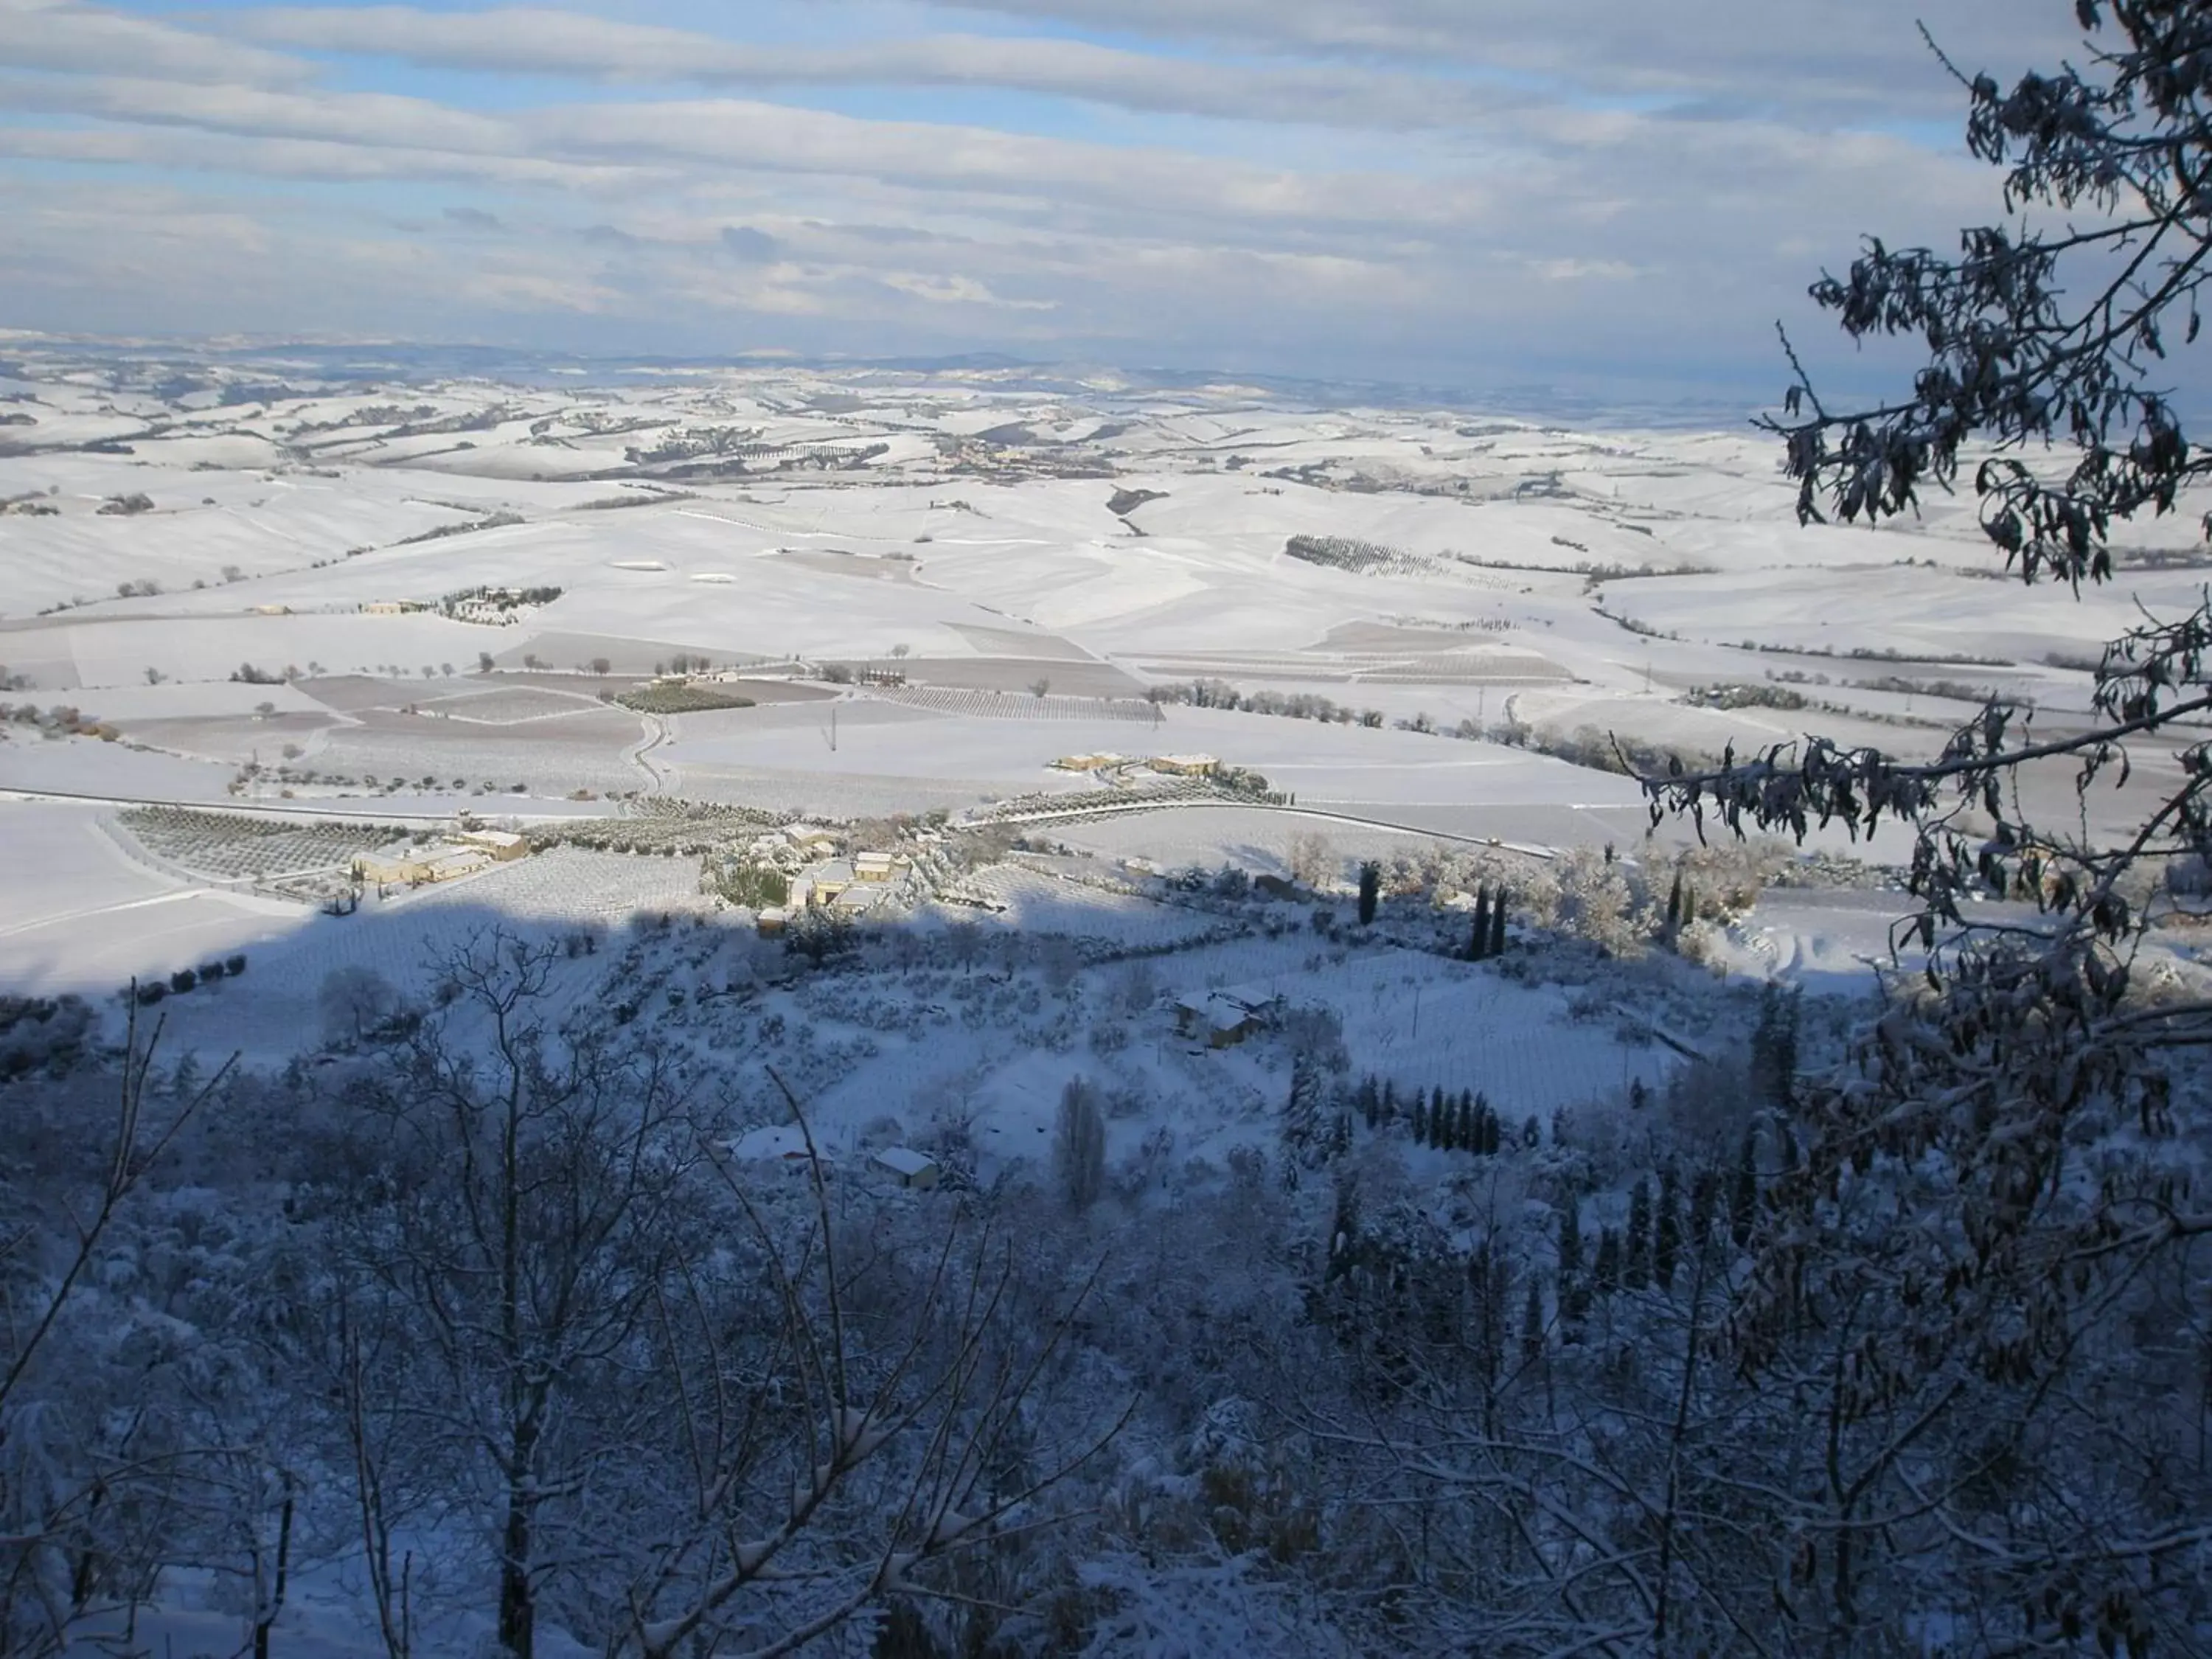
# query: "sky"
1462 193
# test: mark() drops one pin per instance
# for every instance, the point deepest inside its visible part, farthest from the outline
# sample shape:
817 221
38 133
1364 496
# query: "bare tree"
893 1423
674 1412
84 1496
521 1225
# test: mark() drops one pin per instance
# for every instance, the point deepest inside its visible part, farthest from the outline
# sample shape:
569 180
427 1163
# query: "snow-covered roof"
1225 1012
905 1161
769 1143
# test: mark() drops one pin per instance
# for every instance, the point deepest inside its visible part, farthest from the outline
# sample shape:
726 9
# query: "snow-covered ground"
231 589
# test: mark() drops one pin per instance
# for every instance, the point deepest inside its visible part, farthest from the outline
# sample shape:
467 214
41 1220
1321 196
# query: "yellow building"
502 845
1187 766
880 867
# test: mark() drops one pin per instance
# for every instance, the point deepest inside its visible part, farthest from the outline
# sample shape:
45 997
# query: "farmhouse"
830 880
908 1167
1222 1020
1089 762
880 867
411 864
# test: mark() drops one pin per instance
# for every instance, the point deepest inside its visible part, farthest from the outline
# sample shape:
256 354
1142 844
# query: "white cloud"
1797 54
1377 205
541 41
956 291
60 35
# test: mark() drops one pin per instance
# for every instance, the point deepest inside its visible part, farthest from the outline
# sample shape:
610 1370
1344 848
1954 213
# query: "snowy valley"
1100 1050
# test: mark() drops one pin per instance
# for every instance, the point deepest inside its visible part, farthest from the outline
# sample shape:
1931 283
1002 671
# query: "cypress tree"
1303 1130
1786 1049
1389 1101
1636 1264
1774 1049
1689 903
1498 924
1743 1199
1370 890
1420 1119
1370 1101
1667 1228
1343 1231
1479 946
1470 1125
1605 1274
1531 1323
1675 903
1704 1200
1497 1293
1574 1295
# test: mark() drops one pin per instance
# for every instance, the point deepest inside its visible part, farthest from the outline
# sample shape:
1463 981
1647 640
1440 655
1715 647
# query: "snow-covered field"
269 599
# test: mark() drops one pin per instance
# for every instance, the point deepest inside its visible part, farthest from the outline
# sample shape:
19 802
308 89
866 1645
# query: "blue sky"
1451 192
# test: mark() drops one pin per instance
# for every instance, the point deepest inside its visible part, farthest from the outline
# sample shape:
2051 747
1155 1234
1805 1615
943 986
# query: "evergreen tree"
1495 1291
1635 1261
1486 1127
1705 1203
1638 1096
1532 1322
1743 1199
1498 924
1302 1128
1605 1272
1675 903
1370 890
1774 1049
1420 1129
1389 1101
1532 1134
1343 1230
1470 1131
1574 1293
1785 1050
1370 1101
1667 1228
1479 946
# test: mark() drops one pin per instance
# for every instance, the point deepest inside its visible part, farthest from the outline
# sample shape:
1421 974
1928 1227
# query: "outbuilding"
911 1169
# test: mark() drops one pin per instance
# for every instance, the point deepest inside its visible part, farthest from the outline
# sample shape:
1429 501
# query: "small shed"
911 1169
772 921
